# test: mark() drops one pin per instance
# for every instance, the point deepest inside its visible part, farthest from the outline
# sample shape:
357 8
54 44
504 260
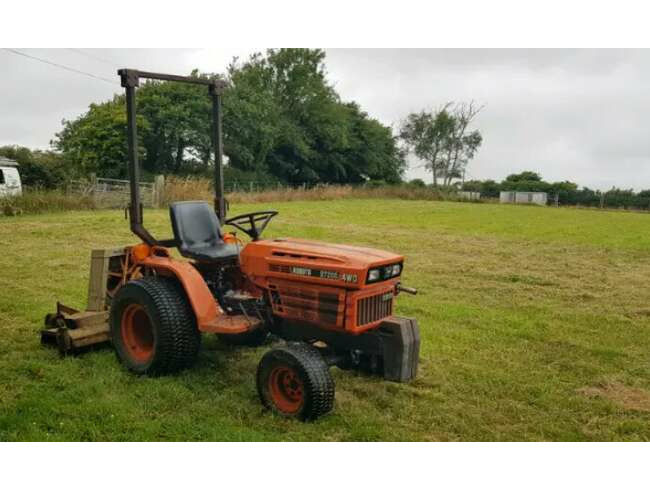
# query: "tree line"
568 193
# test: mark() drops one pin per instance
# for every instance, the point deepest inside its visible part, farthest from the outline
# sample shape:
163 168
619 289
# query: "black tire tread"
178 340
319 384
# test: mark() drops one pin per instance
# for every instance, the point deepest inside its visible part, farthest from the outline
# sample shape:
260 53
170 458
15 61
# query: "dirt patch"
626 397
641 312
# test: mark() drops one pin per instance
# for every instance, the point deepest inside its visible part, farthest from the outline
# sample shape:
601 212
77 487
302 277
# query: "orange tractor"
331 304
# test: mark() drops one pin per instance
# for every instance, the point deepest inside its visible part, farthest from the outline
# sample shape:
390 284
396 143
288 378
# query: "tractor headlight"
373 275
384 272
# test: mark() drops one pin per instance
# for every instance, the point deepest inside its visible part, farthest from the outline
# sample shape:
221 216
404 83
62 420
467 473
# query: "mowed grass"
535 326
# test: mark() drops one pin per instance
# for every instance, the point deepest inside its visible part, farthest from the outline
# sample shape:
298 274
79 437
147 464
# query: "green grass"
535 326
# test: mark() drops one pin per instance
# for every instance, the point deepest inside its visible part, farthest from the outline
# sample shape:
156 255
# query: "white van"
10 184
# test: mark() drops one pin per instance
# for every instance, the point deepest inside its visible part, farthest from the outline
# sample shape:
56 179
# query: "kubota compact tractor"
332 304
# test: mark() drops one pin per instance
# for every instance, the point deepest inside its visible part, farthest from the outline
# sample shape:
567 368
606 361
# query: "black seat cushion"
197 232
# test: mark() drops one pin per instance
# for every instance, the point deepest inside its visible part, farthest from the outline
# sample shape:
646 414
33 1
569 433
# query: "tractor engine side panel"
294 300
329 301
332 308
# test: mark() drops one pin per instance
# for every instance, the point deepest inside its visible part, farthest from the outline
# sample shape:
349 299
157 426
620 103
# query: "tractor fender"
199 295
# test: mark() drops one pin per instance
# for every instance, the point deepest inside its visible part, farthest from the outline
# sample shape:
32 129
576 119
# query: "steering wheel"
252 224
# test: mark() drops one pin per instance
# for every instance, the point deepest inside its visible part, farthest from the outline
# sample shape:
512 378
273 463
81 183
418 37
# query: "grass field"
535 326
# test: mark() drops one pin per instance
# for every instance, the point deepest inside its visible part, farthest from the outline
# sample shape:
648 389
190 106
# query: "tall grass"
186 189
35 201
179 189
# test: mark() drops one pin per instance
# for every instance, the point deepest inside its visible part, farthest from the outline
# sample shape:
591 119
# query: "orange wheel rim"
137 333
286 389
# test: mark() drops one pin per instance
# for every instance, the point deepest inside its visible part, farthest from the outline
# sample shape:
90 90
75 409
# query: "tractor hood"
331 252
312 261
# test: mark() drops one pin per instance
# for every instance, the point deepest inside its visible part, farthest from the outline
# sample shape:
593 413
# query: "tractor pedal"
231 324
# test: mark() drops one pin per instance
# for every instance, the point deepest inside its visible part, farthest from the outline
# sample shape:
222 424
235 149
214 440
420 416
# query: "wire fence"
112 193
115 193
261 186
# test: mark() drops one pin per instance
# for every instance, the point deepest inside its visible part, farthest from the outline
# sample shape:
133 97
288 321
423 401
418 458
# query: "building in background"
10 184
516 197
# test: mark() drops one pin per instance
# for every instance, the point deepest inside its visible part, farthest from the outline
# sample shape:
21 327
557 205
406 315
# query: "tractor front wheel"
294 381
153 328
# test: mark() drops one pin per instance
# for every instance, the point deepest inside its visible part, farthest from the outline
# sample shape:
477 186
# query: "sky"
573 115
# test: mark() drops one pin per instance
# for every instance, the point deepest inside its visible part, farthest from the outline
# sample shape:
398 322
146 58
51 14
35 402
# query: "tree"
566 191
252 115
525 182
417 183
620 198
487 188
462 144
96 141
443 140
426 134
319 138
371 152
177 134
37 168
527 176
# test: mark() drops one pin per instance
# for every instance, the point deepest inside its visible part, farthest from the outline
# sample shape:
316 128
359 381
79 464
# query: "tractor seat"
198 233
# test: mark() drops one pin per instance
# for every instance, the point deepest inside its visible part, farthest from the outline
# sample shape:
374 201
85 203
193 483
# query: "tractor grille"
374 308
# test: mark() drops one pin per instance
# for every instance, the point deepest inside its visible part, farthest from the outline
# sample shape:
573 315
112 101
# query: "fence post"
158 191
93 187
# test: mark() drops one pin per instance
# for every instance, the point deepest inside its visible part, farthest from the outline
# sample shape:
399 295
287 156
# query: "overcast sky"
567 114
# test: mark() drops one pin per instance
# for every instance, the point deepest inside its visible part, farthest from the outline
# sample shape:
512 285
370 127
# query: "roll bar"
130 81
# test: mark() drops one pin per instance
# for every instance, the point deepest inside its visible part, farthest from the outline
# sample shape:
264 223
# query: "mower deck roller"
72 330
333 304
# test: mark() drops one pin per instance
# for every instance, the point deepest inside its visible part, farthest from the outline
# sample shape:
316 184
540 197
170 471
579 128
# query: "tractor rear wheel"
294 381
153 328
